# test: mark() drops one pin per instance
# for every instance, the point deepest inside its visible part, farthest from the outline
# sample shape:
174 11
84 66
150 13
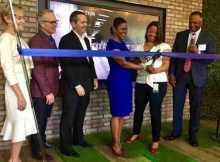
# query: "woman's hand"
150 69
21 103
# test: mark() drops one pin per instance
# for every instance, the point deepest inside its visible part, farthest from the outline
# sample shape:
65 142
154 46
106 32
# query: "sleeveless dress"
119 84
18 124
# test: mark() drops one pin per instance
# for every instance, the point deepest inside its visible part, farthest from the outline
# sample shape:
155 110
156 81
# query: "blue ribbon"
101 53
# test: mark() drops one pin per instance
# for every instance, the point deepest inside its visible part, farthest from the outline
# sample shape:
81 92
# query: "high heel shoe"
123 150
132 138
154 150
118 154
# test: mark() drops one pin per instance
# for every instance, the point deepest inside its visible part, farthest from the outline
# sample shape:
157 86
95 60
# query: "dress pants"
42 112
195 99
72 118
144 94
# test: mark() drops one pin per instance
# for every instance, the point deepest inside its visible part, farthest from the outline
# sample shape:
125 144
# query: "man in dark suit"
191 74
45 79
77 81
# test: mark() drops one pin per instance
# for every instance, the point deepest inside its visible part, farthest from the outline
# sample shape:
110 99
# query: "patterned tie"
52 41
187 65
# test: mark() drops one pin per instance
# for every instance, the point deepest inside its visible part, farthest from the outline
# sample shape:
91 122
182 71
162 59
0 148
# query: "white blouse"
143 76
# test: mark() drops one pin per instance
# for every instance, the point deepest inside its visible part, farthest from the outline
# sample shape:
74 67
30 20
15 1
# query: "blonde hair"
6 10
41 14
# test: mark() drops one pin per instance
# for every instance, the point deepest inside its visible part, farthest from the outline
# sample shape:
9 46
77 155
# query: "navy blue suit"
194 80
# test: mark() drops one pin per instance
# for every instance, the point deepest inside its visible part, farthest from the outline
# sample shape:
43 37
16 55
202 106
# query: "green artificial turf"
86 155
139 150
204 135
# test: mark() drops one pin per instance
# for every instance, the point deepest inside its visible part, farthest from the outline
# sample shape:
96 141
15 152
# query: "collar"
197 32
80 37
45 34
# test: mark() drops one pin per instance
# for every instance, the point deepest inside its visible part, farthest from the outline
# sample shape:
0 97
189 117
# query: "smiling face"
48 23
152 34
195 23
121 31
80 25
19 18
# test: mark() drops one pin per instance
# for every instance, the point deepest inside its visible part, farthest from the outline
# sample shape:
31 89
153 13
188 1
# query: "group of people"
78 79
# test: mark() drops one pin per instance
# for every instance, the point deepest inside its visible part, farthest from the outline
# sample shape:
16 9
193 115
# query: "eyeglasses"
52 22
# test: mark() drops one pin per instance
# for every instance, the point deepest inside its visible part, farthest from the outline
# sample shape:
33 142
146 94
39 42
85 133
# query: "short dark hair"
117 21
160 35
74 14
198 13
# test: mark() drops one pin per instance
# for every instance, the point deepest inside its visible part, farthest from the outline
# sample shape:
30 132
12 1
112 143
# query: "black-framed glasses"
52 22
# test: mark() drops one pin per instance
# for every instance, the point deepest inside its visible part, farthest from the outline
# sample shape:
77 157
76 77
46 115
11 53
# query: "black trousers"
72 118
42 112
144 94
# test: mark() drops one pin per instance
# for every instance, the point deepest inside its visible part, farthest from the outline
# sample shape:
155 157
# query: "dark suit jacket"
76 70
199 68
45 75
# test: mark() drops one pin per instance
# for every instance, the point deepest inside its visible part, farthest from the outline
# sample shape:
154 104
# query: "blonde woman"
19 121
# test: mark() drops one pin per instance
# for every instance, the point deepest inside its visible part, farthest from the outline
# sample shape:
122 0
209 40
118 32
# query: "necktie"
52 41
187 65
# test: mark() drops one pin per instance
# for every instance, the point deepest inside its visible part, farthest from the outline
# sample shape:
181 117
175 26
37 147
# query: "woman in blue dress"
119 83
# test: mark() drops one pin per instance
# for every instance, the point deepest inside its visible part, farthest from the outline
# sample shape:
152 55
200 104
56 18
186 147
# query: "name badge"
155 88
202 47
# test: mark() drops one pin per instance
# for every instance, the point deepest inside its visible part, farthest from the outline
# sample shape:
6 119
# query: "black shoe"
40 156
193 143
48 157
69 152
171 138
85 144
48 145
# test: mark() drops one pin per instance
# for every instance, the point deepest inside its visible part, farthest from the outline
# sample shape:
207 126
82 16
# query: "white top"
146 78
11 60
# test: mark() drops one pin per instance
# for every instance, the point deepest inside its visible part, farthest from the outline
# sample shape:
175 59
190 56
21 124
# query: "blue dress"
119 84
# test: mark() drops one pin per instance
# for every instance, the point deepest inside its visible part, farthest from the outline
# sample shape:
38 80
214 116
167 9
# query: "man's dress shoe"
40 156
193 143
70 152
171 138
48 145
84 144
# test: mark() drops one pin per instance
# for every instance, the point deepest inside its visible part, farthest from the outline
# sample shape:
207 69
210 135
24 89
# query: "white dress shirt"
82 41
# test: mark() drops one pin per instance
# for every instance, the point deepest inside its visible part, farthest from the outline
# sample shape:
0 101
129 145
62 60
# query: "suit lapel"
185 40
200 37
74 38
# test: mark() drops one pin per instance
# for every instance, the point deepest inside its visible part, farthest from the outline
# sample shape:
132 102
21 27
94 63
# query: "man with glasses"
45 79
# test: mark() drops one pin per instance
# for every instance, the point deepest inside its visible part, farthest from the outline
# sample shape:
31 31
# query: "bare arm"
164 66
126 64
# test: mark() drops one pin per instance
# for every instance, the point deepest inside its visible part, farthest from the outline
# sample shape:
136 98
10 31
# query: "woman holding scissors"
151 84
